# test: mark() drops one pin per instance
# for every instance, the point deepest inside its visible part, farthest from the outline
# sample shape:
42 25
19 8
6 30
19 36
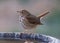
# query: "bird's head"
23 12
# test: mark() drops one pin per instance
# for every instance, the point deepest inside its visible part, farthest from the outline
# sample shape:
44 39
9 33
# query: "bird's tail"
43 14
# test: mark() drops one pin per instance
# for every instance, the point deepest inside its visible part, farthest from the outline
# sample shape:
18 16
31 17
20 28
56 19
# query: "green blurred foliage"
52 24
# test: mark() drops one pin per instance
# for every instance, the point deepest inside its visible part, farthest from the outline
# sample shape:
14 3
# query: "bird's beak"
18 11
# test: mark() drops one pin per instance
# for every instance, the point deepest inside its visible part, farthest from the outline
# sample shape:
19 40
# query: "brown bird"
29 21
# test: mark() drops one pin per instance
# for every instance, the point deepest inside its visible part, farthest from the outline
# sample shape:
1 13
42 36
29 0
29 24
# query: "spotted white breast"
25 24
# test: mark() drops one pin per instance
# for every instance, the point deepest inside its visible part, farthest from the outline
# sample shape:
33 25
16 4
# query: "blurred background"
9 18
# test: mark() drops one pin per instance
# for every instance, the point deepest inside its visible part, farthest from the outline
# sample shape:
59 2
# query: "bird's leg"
28 31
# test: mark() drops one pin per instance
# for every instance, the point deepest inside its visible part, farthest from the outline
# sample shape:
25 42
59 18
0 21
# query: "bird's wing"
32 19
